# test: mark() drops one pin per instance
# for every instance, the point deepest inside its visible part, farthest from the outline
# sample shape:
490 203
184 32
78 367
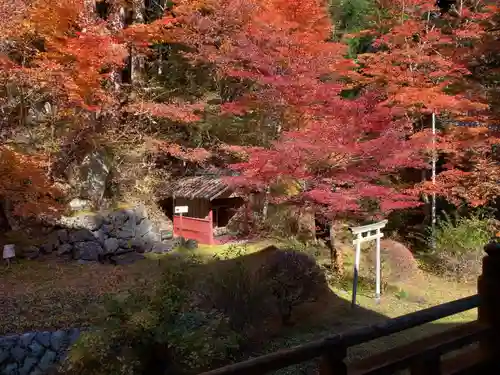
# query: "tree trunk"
136 59
265 204
336 254
12 221
4 221
89 12
117 22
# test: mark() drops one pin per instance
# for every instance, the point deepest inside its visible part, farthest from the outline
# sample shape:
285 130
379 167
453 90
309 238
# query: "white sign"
181 209
363 234
9 251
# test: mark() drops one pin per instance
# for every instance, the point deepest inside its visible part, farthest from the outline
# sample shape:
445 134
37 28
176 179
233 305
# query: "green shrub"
462 234
459 243
164 332
351 15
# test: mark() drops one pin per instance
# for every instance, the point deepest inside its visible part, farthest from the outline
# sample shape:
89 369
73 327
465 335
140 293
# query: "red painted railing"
193 228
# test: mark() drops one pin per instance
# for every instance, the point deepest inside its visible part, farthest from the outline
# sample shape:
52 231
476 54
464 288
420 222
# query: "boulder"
141 245
100 235
190 244
89 251
91 222
63 236
43 338
18 353
4 354
31 252
48 360
125 243
27 338
51 244
120 217
59 340
27 365
68 222
81 236
143 228
63 249
153 236
122 250
109 230
73 335
125 233
36 348
10 369
111 245
91 176
140 214
126 230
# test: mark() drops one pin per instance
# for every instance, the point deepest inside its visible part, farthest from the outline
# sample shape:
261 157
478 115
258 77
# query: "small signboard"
181 209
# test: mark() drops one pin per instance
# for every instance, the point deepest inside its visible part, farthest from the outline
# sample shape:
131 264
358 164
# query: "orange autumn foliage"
25 186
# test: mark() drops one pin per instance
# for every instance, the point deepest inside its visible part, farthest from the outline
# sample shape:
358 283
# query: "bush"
292 278
258 291
459 243
164 332
229 286
199 316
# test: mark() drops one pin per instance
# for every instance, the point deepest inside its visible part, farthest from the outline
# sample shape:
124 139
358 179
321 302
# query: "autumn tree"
269 70
339 151
422 63
60 64
297 74
38 68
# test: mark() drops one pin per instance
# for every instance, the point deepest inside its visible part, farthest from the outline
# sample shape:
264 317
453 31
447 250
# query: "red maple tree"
339 149
423 66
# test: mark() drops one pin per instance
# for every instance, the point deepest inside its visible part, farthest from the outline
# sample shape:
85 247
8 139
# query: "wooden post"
356 269
489 304
426 366
333 361
210 221
377 286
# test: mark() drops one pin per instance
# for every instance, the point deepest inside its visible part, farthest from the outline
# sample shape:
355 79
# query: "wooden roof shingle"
198 187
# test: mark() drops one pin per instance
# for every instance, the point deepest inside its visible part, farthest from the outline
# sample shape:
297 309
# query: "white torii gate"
373 232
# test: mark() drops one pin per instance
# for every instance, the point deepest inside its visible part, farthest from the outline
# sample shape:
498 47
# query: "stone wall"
119 237
34 353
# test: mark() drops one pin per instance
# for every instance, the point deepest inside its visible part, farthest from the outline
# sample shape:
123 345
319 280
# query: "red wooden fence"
193 228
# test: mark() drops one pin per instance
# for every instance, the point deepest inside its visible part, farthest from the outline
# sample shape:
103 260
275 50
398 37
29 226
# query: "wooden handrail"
336 344
404 356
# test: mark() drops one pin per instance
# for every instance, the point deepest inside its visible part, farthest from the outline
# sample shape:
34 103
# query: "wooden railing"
426 356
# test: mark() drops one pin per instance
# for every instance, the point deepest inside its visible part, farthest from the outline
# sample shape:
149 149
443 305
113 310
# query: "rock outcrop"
118 237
